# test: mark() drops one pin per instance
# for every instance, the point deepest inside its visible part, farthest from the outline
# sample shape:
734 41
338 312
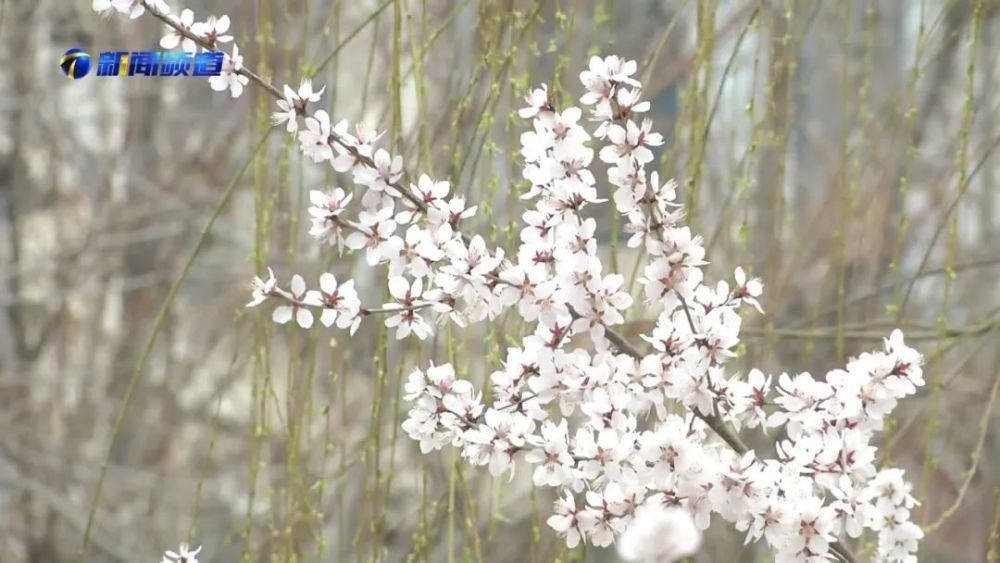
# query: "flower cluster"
623 434
582 418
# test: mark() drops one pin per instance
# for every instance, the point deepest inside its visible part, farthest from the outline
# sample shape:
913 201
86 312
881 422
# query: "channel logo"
75 63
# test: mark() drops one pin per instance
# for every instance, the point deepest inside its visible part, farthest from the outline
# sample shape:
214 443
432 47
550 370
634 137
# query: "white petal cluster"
578 416
230 78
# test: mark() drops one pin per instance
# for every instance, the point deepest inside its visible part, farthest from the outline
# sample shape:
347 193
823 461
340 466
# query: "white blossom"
300 299
340 303
294 103
262 289
537 100
326 208
184 554
407 319
174 37
386 172
213 30
230 78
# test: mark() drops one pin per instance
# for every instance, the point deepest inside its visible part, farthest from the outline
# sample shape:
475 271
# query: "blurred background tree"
844 151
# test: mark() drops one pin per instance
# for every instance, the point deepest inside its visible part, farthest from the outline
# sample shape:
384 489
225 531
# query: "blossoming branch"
629 437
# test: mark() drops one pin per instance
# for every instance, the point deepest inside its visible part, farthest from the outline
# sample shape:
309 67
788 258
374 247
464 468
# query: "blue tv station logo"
76 63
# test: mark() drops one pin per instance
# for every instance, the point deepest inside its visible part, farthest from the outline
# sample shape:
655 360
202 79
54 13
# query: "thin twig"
977 455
